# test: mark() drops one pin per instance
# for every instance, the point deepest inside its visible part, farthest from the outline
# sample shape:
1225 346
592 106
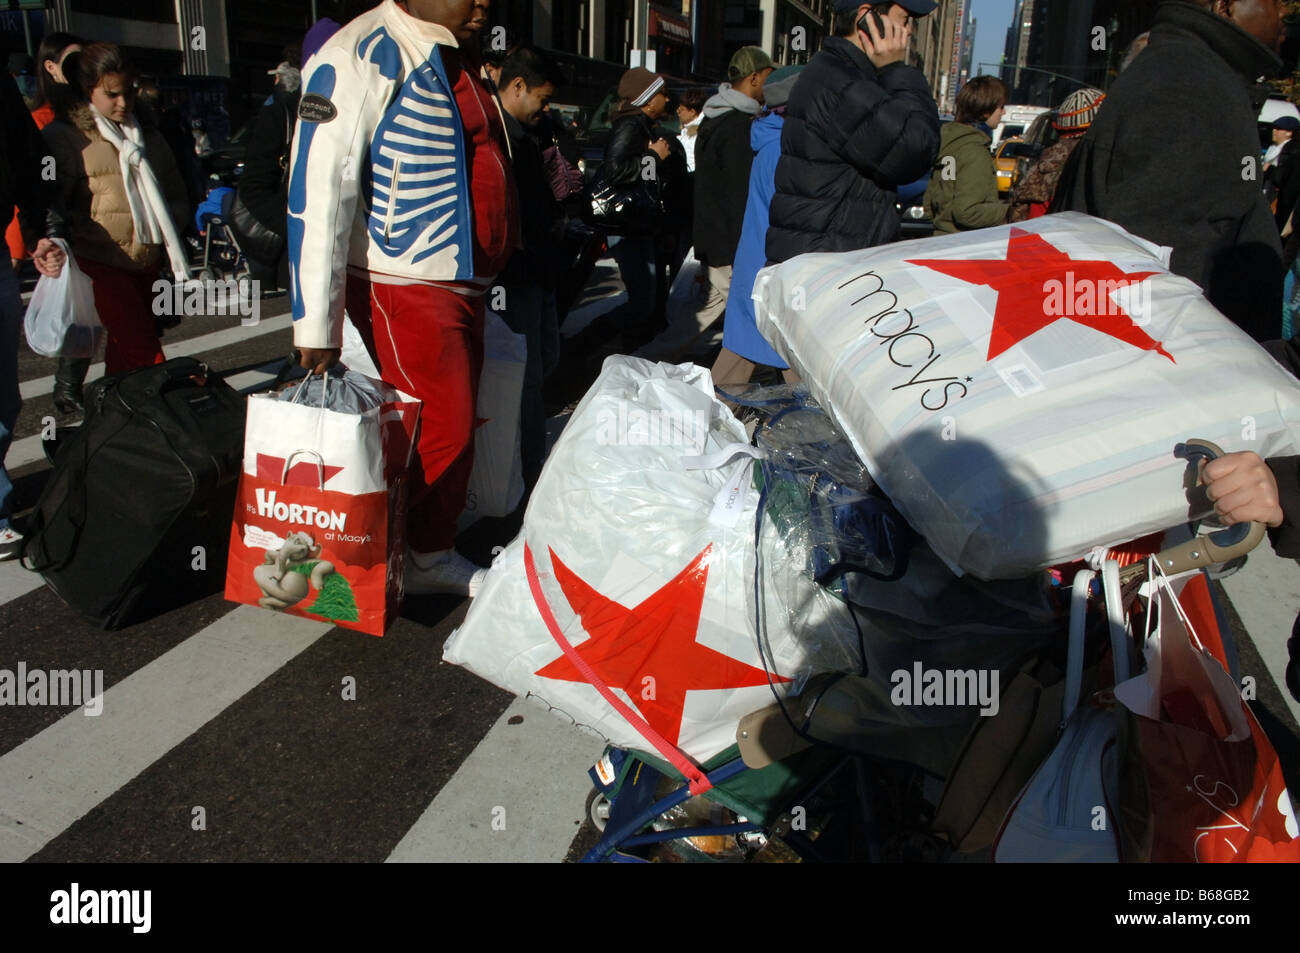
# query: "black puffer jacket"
1164 159
852 135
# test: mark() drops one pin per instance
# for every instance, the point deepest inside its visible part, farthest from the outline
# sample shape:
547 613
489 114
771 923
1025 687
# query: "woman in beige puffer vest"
101 231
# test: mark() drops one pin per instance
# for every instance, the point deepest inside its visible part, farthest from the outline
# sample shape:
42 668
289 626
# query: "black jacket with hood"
723 158
1170 155
853 134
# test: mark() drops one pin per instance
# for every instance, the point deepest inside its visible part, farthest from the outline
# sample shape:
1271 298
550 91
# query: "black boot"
68 379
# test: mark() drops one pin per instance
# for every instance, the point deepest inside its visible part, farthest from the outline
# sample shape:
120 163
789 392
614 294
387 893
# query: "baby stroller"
822 776
223 258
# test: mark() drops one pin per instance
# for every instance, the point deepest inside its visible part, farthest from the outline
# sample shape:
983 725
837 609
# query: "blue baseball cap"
918 8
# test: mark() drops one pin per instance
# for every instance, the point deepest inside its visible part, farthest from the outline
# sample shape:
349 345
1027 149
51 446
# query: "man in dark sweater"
860 123
525 85
21 183
1149 163
723 156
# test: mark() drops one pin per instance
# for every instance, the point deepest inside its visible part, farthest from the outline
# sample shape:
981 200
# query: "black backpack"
136 517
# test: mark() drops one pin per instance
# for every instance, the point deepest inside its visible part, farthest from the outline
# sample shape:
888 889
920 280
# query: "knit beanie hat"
1078 111
638 86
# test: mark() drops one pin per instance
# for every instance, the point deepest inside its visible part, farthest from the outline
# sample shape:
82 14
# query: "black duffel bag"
136 517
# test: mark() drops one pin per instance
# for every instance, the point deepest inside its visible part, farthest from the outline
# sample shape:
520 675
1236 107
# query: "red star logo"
1021 279
655 640
302 473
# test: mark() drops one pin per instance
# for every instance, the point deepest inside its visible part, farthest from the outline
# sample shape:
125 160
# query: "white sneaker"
442 573
11 543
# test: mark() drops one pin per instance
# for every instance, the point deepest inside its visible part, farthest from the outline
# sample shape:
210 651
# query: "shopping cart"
806 779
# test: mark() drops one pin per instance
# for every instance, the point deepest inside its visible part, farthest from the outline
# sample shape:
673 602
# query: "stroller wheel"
207 275
598 808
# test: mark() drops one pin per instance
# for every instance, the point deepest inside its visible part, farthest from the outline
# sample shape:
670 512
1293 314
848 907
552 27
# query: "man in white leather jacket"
402 209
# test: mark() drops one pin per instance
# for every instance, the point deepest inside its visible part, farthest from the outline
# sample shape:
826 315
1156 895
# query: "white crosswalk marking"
15 581
54 778
40 386
1266 594
508 803
31 449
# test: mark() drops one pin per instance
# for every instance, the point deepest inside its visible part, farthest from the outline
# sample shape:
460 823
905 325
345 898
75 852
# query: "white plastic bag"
496 484
61 318
642 554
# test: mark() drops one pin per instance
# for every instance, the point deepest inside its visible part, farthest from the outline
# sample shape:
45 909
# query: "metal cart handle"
1217 547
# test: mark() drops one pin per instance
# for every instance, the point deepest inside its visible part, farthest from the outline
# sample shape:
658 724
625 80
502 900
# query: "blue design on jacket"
381 184
322 82
740 330
415 205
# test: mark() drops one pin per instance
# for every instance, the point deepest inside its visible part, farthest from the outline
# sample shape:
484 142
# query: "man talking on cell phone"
860 122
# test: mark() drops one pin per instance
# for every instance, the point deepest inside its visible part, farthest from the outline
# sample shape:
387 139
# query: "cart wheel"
598 808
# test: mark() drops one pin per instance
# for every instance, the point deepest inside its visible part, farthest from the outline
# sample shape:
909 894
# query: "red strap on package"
689 769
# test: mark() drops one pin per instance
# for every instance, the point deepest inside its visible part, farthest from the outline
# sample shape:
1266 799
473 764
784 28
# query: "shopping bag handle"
1079 592
301 388
320 466
1220 547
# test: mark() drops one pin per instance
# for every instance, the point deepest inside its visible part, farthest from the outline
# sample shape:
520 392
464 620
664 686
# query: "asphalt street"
227 733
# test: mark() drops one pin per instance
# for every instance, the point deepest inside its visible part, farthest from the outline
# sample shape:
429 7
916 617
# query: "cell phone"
876 13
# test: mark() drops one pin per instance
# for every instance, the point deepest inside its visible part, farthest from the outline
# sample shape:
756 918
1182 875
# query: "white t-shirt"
687 138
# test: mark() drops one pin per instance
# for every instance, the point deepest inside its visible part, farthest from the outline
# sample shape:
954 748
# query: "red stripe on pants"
428 342
124 300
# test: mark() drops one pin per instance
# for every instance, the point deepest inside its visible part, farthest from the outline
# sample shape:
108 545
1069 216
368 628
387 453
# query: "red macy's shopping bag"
319 527
1199 779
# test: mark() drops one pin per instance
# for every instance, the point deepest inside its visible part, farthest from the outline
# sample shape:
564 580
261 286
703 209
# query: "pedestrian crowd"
396 176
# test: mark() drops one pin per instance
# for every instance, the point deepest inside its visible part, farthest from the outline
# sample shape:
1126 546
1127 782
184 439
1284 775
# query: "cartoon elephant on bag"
285 577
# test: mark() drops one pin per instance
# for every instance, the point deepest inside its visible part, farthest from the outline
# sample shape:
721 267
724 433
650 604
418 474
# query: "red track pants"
124 300
428 342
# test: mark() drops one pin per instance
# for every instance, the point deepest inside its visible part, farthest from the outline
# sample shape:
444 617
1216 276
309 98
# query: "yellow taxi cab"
1004 162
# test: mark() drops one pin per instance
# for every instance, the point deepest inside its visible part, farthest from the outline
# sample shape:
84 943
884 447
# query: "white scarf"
149 213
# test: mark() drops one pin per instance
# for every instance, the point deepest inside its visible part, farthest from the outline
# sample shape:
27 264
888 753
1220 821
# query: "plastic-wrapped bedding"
644 560
1018 391
641 530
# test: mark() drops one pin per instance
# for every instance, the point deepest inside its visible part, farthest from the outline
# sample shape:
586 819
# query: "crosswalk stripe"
40 386
57 776
15 581
1266 595
518 797
31 449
